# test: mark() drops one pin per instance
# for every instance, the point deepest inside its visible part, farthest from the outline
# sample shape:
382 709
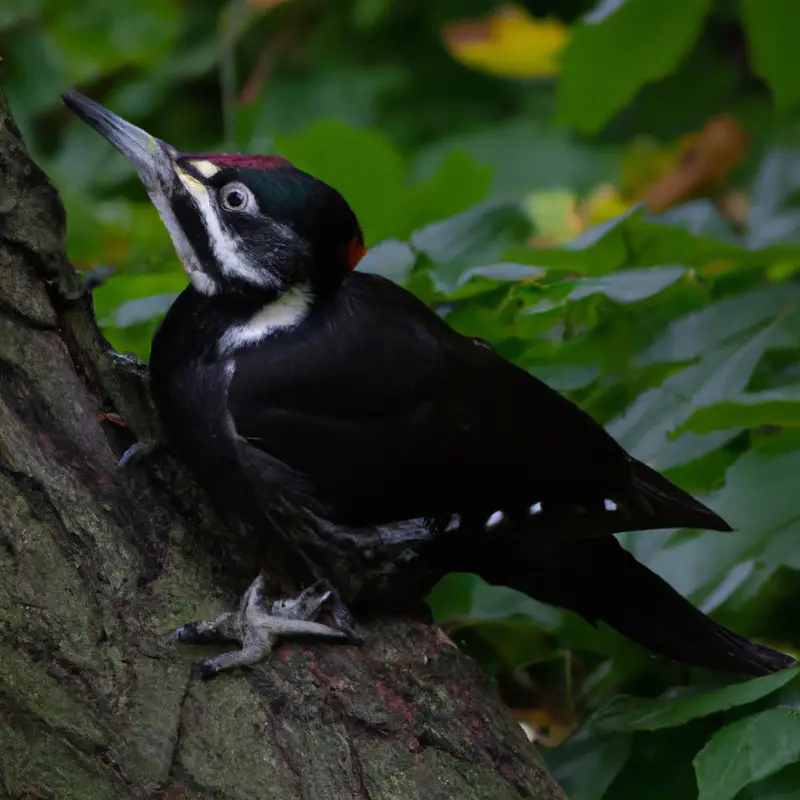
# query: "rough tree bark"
96 567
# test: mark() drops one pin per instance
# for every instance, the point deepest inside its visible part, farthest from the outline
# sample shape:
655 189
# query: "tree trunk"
98 566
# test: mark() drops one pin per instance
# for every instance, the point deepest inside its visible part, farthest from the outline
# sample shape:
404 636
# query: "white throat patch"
285 313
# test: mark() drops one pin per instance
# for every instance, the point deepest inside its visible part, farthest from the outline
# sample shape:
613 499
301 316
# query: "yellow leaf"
603 204
782 271
553 213
559 217
510 43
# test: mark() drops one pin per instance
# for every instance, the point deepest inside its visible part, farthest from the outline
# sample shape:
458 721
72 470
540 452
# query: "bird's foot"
136 454
260 624
341 614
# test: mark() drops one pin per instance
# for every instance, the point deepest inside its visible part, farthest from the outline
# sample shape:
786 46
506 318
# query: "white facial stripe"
288 311
202 282
231 260
205 168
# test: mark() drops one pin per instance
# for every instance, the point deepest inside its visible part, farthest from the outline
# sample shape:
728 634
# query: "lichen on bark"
97 566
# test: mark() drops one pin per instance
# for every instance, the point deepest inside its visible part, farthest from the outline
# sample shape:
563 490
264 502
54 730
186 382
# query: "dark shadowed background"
608 194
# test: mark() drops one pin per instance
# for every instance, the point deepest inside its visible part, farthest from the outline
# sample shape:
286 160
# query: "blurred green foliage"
681 333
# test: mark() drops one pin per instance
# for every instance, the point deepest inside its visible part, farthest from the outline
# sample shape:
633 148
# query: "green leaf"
389 258
659 765
769 220
747 751
776 407
477 280
689 447
700 217
463 596
658 413
784 785
527 155
759 501
368 12
625 713
584 766
781 549
15 11
519 629
623 286
33 54
459 184
771 27
142 37
606 64
475 238
697 334
134 312
630 285
757 493
125 300
628 241
129 235
344 91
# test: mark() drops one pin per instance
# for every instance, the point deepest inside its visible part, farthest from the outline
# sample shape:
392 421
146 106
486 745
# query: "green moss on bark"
34 764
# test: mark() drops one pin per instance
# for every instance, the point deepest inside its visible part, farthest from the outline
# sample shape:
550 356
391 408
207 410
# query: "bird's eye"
235 196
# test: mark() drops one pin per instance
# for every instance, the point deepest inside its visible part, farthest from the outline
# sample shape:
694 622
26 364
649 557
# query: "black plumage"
357 438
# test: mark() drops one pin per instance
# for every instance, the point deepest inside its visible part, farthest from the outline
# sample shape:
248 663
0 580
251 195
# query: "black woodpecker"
369 448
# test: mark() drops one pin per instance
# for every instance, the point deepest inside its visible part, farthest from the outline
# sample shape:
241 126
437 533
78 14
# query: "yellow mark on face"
191 183
205 168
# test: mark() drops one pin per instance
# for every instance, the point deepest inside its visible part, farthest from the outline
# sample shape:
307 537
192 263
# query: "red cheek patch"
355 251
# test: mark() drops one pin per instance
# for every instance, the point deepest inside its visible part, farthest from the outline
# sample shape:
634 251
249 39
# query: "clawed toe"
259 625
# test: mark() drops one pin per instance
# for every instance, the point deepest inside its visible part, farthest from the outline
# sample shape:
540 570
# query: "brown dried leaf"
707 159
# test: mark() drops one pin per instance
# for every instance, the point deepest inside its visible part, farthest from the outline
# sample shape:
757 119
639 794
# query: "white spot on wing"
610 505
535 509
454 524
495 519
206 168
289 310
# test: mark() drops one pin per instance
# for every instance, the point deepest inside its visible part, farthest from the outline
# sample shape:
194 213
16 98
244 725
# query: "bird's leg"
259 624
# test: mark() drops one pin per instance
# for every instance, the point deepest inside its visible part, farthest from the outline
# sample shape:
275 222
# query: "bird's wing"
389 414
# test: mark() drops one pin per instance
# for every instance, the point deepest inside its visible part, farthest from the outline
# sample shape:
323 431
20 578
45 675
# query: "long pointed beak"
152 159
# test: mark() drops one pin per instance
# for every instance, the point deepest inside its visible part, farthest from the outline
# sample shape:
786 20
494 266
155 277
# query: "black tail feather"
600 580
647 502
651 493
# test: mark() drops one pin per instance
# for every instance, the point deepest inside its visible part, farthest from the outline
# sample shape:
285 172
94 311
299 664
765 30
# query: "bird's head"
239 223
